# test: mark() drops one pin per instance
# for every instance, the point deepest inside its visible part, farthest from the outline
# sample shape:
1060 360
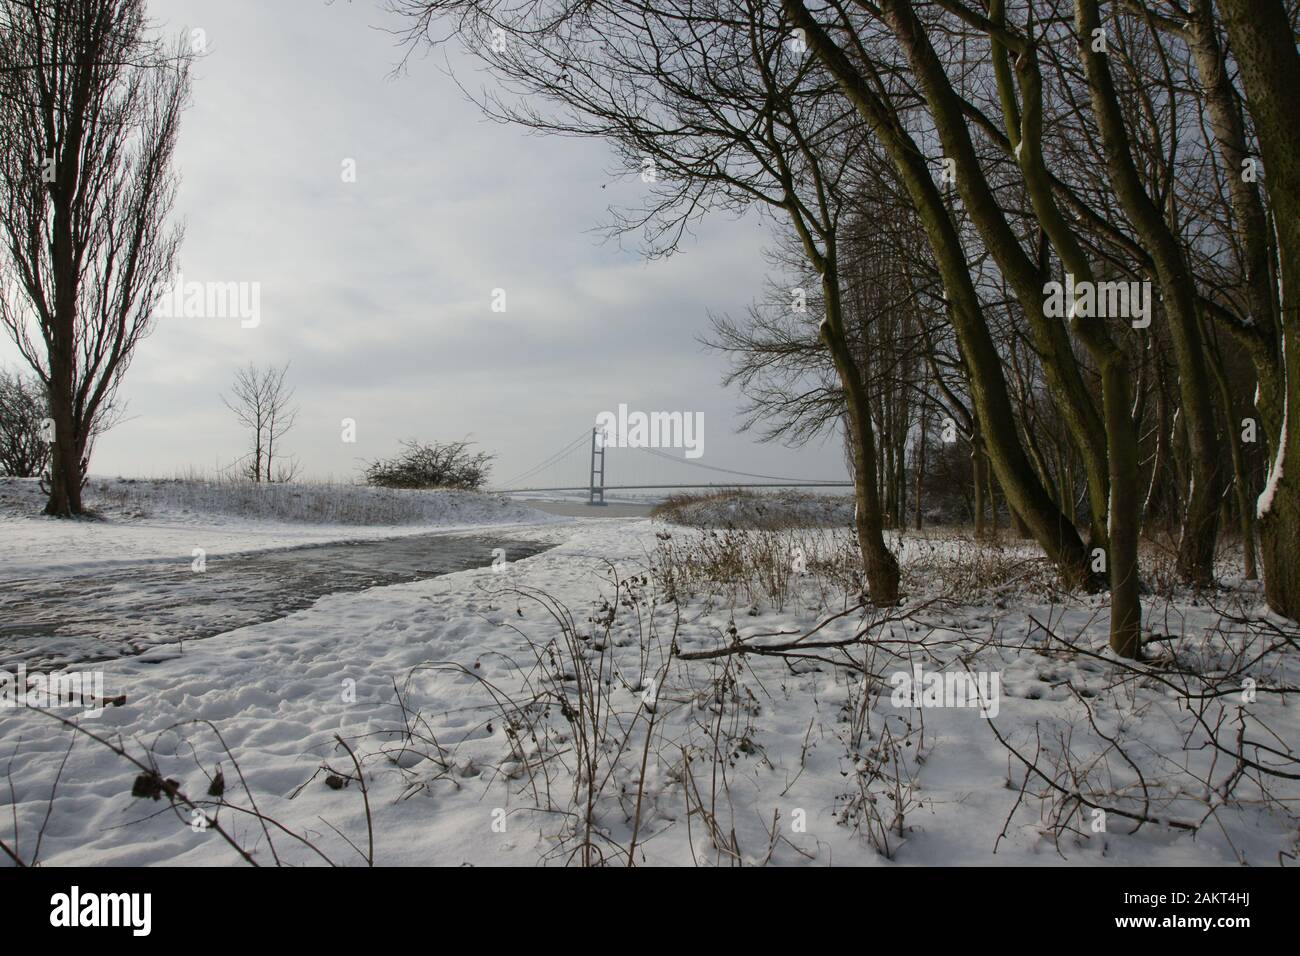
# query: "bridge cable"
729 471
567 449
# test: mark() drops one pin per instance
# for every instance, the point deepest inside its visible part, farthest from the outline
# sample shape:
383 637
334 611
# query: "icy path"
51 621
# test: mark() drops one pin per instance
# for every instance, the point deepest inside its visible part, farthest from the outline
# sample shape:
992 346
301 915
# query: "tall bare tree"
1263 41
263 402
90 105
884 104
1105 148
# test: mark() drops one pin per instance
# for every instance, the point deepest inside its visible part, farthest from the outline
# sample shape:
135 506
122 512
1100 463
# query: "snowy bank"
166 520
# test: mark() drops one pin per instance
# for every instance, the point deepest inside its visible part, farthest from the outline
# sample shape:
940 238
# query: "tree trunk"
994 508
1223 109
1125 513
901 523
1241 487
65 455
1058 537
1178 292
1264 46
881 567
920 460
1159 464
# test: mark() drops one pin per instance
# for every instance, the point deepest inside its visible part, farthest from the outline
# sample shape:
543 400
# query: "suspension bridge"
588 456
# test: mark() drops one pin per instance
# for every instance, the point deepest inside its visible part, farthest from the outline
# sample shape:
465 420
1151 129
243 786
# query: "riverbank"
177 522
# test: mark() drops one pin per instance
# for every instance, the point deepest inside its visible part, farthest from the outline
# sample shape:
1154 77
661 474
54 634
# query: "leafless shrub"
962 567
431 465
883 789
750 568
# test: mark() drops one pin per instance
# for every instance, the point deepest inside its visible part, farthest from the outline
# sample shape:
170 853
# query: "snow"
149 521
439 687
1264 503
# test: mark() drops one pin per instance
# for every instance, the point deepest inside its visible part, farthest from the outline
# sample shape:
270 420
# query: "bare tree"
1262 36
869 76
716 107
90 105
1075 157
263 402
23 407
1104 148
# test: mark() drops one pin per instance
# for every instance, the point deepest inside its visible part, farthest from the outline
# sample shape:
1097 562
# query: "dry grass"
742 509
821 569
316 503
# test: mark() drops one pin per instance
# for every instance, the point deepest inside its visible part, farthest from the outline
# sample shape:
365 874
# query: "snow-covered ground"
580 706
165 520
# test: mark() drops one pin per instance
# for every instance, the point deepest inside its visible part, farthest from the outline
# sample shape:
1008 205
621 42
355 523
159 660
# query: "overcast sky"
379 290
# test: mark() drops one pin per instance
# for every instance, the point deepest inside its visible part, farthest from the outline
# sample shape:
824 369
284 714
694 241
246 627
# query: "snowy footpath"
592 704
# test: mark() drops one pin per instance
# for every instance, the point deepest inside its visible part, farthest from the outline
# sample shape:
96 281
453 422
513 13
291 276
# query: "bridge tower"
597 488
